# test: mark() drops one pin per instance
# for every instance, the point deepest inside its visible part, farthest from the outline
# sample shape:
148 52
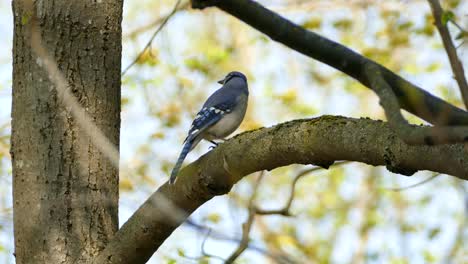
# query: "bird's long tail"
185 150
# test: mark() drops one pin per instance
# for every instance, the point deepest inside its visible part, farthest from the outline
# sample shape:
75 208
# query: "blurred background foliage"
352 213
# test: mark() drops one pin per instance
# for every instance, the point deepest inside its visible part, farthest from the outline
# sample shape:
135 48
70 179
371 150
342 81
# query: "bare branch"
410 134
458 26
247 226
455 63
221 236
410 97
399 189
463 33
364 203
458 241
202 247
154 23
310 141
285 210
150 41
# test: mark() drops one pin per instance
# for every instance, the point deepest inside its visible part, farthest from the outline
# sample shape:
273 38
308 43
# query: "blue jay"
221 114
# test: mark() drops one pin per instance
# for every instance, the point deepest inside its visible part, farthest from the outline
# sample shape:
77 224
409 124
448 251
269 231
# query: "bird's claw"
214 143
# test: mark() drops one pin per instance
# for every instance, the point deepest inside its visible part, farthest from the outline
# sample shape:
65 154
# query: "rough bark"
319 141
65 192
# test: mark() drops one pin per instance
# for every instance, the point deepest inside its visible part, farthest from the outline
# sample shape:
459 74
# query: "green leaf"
204 260
429 257
313 23
398 261
433 67
343 24
434 232
452 3
149 57
407 228
446 16
462 35
214 218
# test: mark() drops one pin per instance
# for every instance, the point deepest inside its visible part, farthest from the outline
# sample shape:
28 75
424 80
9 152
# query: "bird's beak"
221 81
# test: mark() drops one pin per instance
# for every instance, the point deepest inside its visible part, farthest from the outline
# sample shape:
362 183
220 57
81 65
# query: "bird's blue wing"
207 117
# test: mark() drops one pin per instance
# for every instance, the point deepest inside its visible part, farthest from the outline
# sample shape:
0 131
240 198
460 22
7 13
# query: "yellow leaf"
214 218
125 185
157 135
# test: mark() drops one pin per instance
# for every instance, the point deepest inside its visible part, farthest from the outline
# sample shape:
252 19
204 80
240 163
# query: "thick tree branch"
410 97
410 134
455 63
318 141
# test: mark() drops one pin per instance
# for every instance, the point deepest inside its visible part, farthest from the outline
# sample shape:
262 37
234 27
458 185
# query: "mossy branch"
320 141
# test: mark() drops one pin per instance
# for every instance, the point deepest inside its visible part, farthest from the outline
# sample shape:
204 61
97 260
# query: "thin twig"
365 203
254 210
153 23
455 63
202 247
458 240
285 210
214 234
458 26
247 226
161 26
399 189
463 31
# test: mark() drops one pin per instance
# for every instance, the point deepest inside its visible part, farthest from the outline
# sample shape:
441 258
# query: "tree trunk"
65 191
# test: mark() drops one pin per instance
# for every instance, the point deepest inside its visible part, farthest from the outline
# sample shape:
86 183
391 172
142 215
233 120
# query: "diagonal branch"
150 41
463 33
134 33
310 141
455 63
410 134
410 97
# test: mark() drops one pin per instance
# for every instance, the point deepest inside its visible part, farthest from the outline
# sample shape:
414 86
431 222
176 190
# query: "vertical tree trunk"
65 192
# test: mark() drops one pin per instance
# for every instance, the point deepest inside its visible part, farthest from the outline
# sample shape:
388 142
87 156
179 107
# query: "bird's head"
232 75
